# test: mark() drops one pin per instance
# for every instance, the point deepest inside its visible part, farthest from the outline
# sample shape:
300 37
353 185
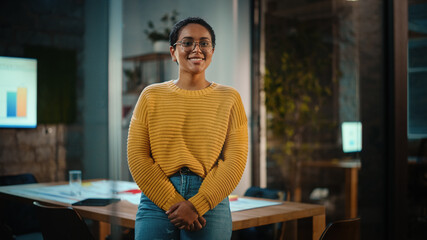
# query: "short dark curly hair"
173 36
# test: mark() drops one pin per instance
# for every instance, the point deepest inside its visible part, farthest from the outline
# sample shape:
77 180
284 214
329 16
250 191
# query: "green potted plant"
294 97
160 36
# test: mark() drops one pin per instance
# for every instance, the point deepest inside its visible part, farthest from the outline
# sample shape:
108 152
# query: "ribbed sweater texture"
205 130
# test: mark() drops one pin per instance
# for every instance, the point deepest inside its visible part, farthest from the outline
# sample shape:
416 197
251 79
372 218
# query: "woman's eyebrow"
203 38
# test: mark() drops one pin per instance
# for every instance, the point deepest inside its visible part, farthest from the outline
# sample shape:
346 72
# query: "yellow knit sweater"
204 130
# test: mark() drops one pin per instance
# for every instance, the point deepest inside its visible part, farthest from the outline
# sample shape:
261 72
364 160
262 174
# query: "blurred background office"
334 91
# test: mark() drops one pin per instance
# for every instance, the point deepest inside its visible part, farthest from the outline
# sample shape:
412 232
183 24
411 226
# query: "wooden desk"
351 168
123 213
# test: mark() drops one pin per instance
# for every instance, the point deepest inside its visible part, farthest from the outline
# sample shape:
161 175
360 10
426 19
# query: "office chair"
265 193
62 223
18 219
24 178
348 229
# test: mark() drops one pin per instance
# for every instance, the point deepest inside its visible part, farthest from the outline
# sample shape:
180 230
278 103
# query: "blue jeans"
153 223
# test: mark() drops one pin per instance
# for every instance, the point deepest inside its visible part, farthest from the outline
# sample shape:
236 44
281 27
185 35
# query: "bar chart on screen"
16 103
18 92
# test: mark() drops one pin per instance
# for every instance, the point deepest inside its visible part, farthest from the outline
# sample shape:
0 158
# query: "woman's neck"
191 82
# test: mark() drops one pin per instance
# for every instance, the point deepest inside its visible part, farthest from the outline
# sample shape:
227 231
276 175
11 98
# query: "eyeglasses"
189 45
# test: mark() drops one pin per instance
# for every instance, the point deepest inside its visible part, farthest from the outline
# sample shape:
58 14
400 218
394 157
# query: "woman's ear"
172 51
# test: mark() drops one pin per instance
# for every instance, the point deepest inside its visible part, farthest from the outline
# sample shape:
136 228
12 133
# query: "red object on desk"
233 198
133 191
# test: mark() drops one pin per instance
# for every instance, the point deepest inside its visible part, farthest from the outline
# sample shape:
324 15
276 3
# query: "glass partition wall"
417 119
311 86
330 67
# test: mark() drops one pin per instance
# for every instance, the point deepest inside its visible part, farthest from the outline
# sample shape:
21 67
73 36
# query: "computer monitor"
18 92
351 136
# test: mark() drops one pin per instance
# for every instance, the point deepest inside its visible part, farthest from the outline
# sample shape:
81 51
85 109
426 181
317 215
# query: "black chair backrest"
24 178
348 229
19 217
61 223
265 193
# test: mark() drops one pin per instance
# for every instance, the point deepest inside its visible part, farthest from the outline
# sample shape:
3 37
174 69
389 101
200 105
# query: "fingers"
183 215
176 222
202 221
172 216
190 227
172 208
197 226
179 224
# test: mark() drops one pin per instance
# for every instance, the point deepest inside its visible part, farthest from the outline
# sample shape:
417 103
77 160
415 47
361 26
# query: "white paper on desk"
245 203
132 198
115 187
60 193
98 189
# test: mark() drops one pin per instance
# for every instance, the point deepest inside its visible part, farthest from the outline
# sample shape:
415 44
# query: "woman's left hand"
182 214
197 225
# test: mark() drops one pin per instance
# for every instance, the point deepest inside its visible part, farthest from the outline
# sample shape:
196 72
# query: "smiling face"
193 61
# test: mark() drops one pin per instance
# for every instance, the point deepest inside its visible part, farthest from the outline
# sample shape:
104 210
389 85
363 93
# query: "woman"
187 145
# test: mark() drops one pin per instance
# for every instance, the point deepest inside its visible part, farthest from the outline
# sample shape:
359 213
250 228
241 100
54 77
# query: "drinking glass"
75 182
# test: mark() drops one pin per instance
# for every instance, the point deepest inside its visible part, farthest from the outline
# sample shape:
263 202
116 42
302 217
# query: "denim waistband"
184 171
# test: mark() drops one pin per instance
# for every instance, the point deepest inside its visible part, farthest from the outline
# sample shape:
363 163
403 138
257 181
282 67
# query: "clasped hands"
184 216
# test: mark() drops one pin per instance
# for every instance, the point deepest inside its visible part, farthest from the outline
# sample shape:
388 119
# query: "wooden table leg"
318 226
102 229
351 182
311 227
